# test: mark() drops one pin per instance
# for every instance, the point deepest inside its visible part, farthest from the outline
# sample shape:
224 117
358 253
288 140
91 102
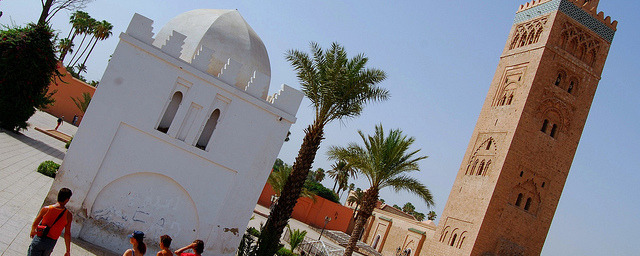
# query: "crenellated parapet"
204 60
583 11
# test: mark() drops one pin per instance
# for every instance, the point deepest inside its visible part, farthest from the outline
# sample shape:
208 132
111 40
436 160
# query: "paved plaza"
22 189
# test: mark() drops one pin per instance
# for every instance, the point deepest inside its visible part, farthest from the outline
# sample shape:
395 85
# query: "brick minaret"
513 172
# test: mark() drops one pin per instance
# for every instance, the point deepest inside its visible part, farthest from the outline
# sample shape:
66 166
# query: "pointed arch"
209 127
170 112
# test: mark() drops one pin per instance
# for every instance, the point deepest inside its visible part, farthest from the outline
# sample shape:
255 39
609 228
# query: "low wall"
313 213
67 87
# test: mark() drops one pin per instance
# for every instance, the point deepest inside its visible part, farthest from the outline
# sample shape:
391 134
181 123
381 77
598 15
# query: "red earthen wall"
67 87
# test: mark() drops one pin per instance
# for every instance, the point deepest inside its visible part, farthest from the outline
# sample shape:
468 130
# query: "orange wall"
67 87
313 214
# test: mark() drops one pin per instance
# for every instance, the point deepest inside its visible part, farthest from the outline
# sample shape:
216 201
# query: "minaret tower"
513 172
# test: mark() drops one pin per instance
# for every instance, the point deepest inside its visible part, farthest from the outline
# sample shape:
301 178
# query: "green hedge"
321 191
285 252
49 168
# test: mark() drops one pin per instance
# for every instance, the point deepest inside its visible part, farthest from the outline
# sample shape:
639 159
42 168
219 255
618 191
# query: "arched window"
453 239
538 34
523 39
375 242
444 238
461 241
519 200
486 168
554 128
544 126
573 46
407 252
591 57
209 127
570 89
510 99
170 112
528 204
480 168
473 168
558 80
516 39
489 144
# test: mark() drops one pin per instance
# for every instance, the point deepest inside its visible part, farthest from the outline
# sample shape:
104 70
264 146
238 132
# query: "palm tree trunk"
87 57
370 200
83 51
270 236
334 185
78 50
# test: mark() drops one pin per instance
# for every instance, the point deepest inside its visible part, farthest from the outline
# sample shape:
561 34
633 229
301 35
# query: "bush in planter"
49 168
68 143
27 66
284 252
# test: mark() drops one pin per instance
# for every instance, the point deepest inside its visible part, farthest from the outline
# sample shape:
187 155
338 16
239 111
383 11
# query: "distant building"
514 170
180 135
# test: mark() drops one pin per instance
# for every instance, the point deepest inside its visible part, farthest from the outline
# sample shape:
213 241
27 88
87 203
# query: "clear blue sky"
440 57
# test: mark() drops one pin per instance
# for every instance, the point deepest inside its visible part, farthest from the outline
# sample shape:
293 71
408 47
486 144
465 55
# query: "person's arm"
179 251
41 214
67 234
126 253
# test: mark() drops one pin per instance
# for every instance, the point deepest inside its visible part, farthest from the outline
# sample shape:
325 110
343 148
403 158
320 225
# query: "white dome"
227 34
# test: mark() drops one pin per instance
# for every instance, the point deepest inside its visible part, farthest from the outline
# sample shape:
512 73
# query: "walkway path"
22 189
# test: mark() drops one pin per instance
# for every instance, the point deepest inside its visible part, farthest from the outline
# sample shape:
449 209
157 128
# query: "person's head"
165 241
136 238
63 195
199 246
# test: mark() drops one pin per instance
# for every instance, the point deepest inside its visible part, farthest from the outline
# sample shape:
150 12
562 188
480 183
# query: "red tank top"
50 217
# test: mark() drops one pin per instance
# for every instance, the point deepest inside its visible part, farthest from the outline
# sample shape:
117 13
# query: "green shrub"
284 252
27 66
49 168
321 191
68 143
253 231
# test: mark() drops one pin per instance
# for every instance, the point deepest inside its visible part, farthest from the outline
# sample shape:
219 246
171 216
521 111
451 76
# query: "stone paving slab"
22 189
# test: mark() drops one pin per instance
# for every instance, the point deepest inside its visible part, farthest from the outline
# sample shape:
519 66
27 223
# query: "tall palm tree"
431 215
278 178
102 32
356 198
338 88
87 26
385 160
77 20
339 171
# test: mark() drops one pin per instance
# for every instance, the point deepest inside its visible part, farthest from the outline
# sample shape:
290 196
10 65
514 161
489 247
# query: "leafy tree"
381 200
278 164
87 28
321 191
338 88
27 66
397 207
385 160
82 103
431 215
78 20
51 7
101 31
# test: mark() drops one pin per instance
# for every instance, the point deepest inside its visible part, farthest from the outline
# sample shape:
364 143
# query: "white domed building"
180 136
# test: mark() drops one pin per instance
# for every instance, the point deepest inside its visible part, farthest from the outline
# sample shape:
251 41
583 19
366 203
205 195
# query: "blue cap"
139 235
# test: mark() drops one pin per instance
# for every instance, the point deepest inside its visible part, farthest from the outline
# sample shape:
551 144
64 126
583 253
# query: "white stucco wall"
126 175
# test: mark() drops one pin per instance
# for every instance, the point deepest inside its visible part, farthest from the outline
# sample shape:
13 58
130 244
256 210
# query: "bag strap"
59 216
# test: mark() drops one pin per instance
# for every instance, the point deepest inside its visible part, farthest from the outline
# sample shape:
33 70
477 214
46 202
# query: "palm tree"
77 20
431 215
82 103
338 88
319 175
278 178
86 27
102 32
385 161
65 45
339 171
356 198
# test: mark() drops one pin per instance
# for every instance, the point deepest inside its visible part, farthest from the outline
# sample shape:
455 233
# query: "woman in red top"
43 245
